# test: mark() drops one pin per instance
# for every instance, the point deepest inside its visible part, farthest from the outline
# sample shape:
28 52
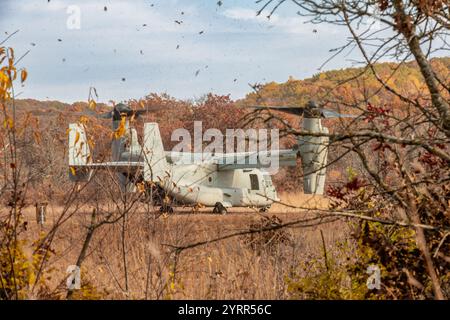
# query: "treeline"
46 149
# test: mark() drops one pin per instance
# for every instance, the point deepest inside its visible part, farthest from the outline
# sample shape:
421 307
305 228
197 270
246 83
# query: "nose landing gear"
264 209
219 208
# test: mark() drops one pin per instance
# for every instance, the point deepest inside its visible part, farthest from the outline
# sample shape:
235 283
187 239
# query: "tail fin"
155 164
79 153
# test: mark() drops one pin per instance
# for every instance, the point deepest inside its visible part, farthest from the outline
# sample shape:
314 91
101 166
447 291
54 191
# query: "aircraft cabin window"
268 180
254 183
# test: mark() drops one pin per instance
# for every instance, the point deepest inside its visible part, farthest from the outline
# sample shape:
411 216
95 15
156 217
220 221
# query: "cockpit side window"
254 183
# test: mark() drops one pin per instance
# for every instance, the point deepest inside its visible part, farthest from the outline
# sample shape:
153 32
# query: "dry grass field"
240 267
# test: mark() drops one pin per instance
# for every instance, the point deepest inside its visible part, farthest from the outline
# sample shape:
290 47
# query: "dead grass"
300 200
229 269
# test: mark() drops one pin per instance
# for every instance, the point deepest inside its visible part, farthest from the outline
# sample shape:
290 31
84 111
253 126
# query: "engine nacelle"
313 152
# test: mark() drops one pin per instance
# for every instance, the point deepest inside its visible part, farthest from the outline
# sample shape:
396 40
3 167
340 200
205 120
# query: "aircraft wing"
236 160
120 166
262 159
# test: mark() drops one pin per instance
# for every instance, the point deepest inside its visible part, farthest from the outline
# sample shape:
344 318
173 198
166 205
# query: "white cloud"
127 14
286 24
236 44
242 14
40 7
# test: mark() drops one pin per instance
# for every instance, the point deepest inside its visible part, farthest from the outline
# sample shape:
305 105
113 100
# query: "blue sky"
235 48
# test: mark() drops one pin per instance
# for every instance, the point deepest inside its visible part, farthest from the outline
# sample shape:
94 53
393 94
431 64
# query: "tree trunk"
423 247
408 31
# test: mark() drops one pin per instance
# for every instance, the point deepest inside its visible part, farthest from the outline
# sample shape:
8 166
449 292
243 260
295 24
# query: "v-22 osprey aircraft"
212 182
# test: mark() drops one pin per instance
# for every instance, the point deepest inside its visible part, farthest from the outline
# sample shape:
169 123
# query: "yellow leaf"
141 187
92 104
72 170
23 75
11 53
77 137
84 119
8 123
121 129
3 77
141 103
31 279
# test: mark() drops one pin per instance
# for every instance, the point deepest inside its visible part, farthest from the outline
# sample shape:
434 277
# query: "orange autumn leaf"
23 75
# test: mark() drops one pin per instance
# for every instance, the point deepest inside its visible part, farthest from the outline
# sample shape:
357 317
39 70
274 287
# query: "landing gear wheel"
166 209
219 208
264 209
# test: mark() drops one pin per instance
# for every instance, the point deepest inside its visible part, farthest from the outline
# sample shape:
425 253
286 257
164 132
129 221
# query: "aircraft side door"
254 184
257 189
